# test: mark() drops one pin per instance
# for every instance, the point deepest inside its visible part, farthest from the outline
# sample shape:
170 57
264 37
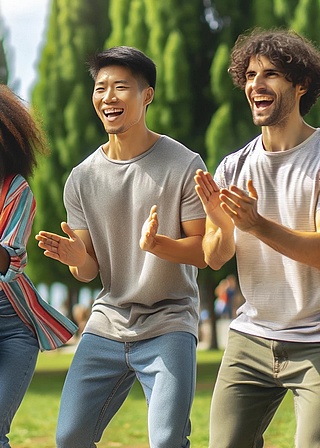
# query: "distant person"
144 322
231 293
221 299
27 322
264 206
80 314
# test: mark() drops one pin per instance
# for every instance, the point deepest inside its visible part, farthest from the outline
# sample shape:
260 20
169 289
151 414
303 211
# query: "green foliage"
176 69
5 54
305 20
306 17
221 84
269 14
118 15
136 32
176 87
3 63
219 139
284 9
63 98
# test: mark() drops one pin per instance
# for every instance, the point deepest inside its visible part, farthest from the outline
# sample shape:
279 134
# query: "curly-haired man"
263 205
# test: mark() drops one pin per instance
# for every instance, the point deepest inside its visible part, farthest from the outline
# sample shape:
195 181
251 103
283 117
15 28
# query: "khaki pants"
254 377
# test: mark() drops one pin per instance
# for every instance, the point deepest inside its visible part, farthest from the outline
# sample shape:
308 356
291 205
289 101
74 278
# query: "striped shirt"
51 328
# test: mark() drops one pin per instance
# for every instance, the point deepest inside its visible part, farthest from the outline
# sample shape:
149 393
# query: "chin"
112 130
260 121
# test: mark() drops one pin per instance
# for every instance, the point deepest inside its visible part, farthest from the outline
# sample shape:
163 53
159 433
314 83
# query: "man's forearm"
218 248
303 247
87 272
185 250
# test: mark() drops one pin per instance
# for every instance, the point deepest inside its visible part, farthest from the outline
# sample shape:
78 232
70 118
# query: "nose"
109 96
257 82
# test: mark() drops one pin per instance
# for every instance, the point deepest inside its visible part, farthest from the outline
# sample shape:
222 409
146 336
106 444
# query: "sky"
25 23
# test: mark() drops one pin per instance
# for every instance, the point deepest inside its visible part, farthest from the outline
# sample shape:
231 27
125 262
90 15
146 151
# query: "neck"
127 147
282 138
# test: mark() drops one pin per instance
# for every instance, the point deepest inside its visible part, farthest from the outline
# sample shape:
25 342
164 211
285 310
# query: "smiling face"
120 99
271 96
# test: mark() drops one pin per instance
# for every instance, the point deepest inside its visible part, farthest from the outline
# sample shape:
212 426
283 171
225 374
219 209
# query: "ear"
303 88
149 94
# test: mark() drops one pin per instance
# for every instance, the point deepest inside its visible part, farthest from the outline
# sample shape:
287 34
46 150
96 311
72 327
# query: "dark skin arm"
4 260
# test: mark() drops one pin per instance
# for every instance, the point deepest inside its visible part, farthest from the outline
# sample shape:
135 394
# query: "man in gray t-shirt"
134 218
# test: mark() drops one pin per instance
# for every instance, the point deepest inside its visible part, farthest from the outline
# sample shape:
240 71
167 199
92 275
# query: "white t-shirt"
282 296
143 296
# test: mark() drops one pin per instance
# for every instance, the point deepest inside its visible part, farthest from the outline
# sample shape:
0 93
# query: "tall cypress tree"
62 97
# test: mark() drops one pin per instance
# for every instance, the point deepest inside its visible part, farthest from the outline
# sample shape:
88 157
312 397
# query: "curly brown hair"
291 53
21 138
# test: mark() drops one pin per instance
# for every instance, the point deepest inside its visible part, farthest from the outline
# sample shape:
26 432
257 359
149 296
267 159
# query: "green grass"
35 422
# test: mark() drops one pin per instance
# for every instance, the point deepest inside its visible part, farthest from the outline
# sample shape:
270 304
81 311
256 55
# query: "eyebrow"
122 81
119 81
267 69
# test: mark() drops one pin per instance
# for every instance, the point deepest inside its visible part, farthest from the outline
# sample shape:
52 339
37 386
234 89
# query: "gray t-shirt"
282 295
142 296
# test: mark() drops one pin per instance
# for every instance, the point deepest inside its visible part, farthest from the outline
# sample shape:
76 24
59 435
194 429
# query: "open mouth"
112 113
262 102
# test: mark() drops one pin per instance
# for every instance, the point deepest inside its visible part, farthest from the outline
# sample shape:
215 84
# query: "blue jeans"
100 378
18 355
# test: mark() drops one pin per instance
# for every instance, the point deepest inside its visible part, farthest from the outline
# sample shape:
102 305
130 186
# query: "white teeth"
112 111
262 98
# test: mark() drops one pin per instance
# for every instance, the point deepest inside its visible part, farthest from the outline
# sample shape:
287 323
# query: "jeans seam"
105 406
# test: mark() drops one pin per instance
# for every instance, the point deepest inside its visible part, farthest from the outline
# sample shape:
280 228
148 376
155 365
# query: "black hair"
132 58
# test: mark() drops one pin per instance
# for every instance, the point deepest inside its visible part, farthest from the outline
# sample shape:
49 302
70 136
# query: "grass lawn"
35 422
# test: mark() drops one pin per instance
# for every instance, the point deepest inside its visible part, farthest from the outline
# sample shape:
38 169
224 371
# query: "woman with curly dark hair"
264 206
27 322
